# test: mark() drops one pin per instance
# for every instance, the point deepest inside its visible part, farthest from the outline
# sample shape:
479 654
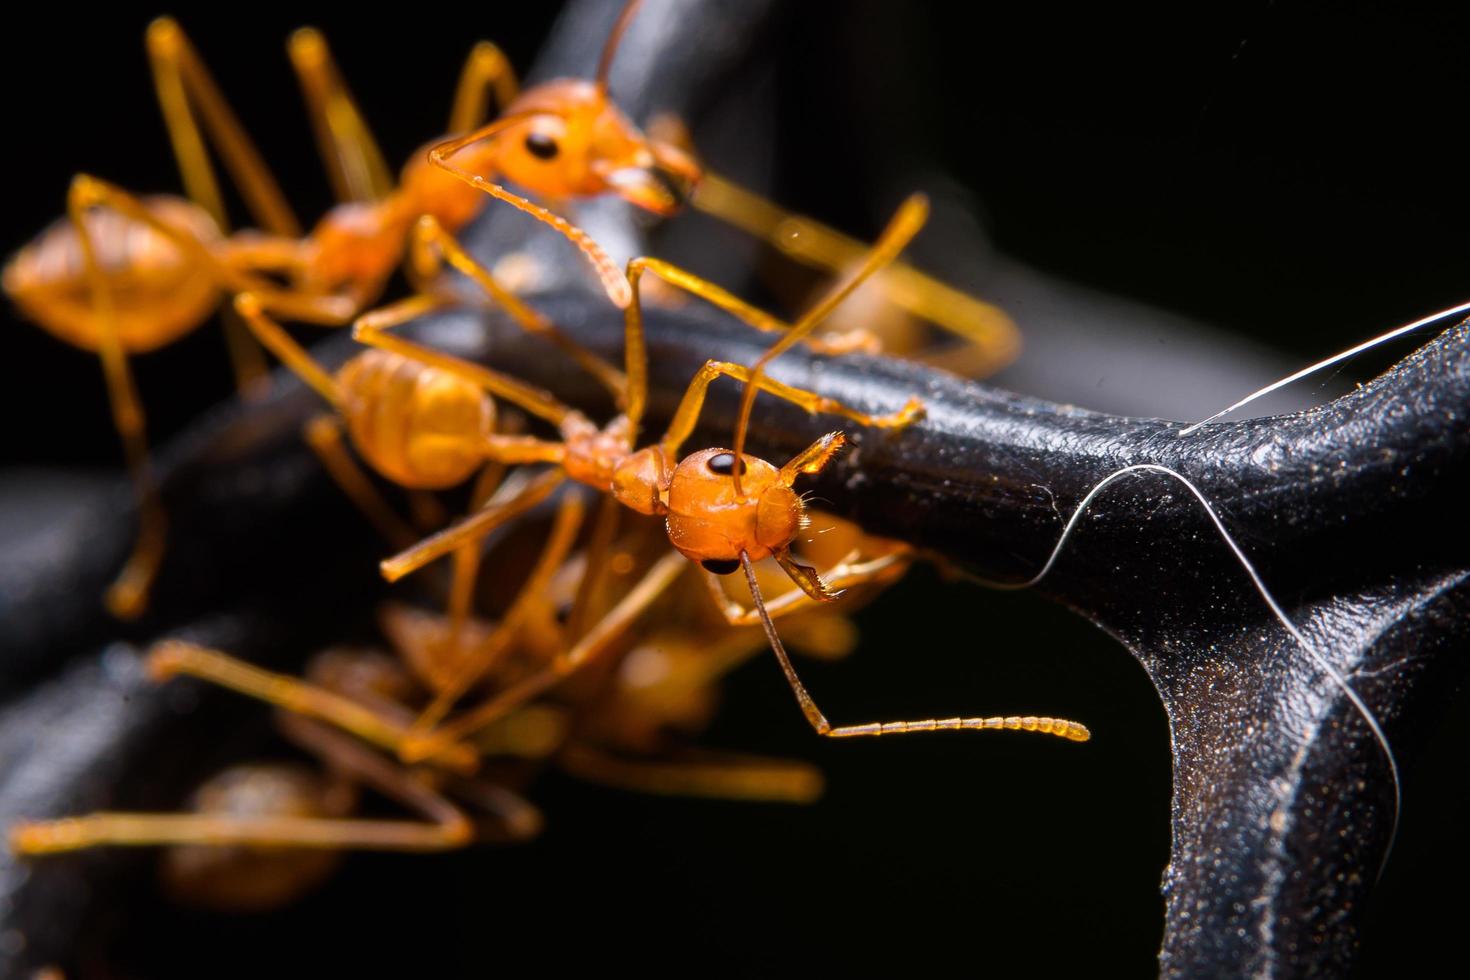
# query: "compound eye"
541 146
720 566
723 464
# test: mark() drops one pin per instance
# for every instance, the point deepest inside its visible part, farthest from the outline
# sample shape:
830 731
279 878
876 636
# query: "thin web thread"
1334 359
1265 593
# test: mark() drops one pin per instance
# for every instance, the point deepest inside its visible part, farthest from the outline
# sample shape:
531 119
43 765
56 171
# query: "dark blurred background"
1289 172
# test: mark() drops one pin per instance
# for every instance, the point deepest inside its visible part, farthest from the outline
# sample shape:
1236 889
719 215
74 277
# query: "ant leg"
184 86
486 70
447 825
292 354
372 329
902 227
128 594
687 415
594 573
611 277
747 778
849 573
324 435
172 657
478 524
480 662
635 350
354 162
430 237
812 243
1048 726
599 642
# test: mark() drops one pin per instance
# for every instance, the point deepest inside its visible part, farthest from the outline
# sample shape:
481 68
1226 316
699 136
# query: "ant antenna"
808 706
614 38
901 229
614 283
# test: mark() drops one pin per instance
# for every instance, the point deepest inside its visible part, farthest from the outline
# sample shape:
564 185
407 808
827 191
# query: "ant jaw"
653 189
805 577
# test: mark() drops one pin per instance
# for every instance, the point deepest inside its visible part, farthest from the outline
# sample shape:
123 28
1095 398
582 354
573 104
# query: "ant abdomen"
157 294
421 427
250 879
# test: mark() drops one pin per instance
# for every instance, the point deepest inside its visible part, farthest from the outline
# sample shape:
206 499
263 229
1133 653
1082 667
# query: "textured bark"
1282 804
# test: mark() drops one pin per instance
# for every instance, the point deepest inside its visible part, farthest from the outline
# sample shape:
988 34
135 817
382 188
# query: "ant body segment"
122 275
710 518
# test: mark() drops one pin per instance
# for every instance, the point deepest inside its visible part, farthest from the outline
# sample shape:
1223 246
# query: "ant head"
710 523
571 140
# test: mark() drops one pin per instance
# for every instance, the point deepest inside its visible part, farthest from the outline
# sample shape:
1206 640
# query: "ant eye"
541 146
724 464
720 566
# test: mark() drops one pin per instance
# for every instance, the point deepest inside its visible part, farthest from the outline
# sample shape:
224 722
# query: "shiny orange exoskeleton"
566 139
721 508
122 275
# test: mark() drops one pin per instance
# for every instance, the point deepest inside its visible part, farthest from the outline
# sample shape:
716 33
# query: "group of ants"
605 646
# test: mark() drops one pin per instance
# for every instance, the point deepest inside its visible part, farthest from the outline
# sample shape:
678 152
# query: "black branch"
1282 804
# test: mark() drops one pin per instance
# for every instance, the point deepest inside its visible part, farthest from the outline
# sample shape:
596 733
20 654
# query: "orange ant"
567 139
722 509
121 275
259 835
227 852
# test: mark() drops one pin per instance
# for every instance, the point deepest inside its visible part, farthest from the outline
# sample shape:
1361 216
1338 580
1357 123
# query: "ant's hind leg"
128 594
354 162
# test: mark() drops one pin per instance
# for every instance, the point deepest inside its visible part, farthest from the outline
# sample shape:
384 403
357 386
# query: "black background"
1291 171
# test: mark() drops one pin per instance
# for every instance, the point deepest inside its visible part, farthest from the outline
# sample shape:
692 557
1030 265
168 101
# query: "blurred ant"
229 852
122 275
262 834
